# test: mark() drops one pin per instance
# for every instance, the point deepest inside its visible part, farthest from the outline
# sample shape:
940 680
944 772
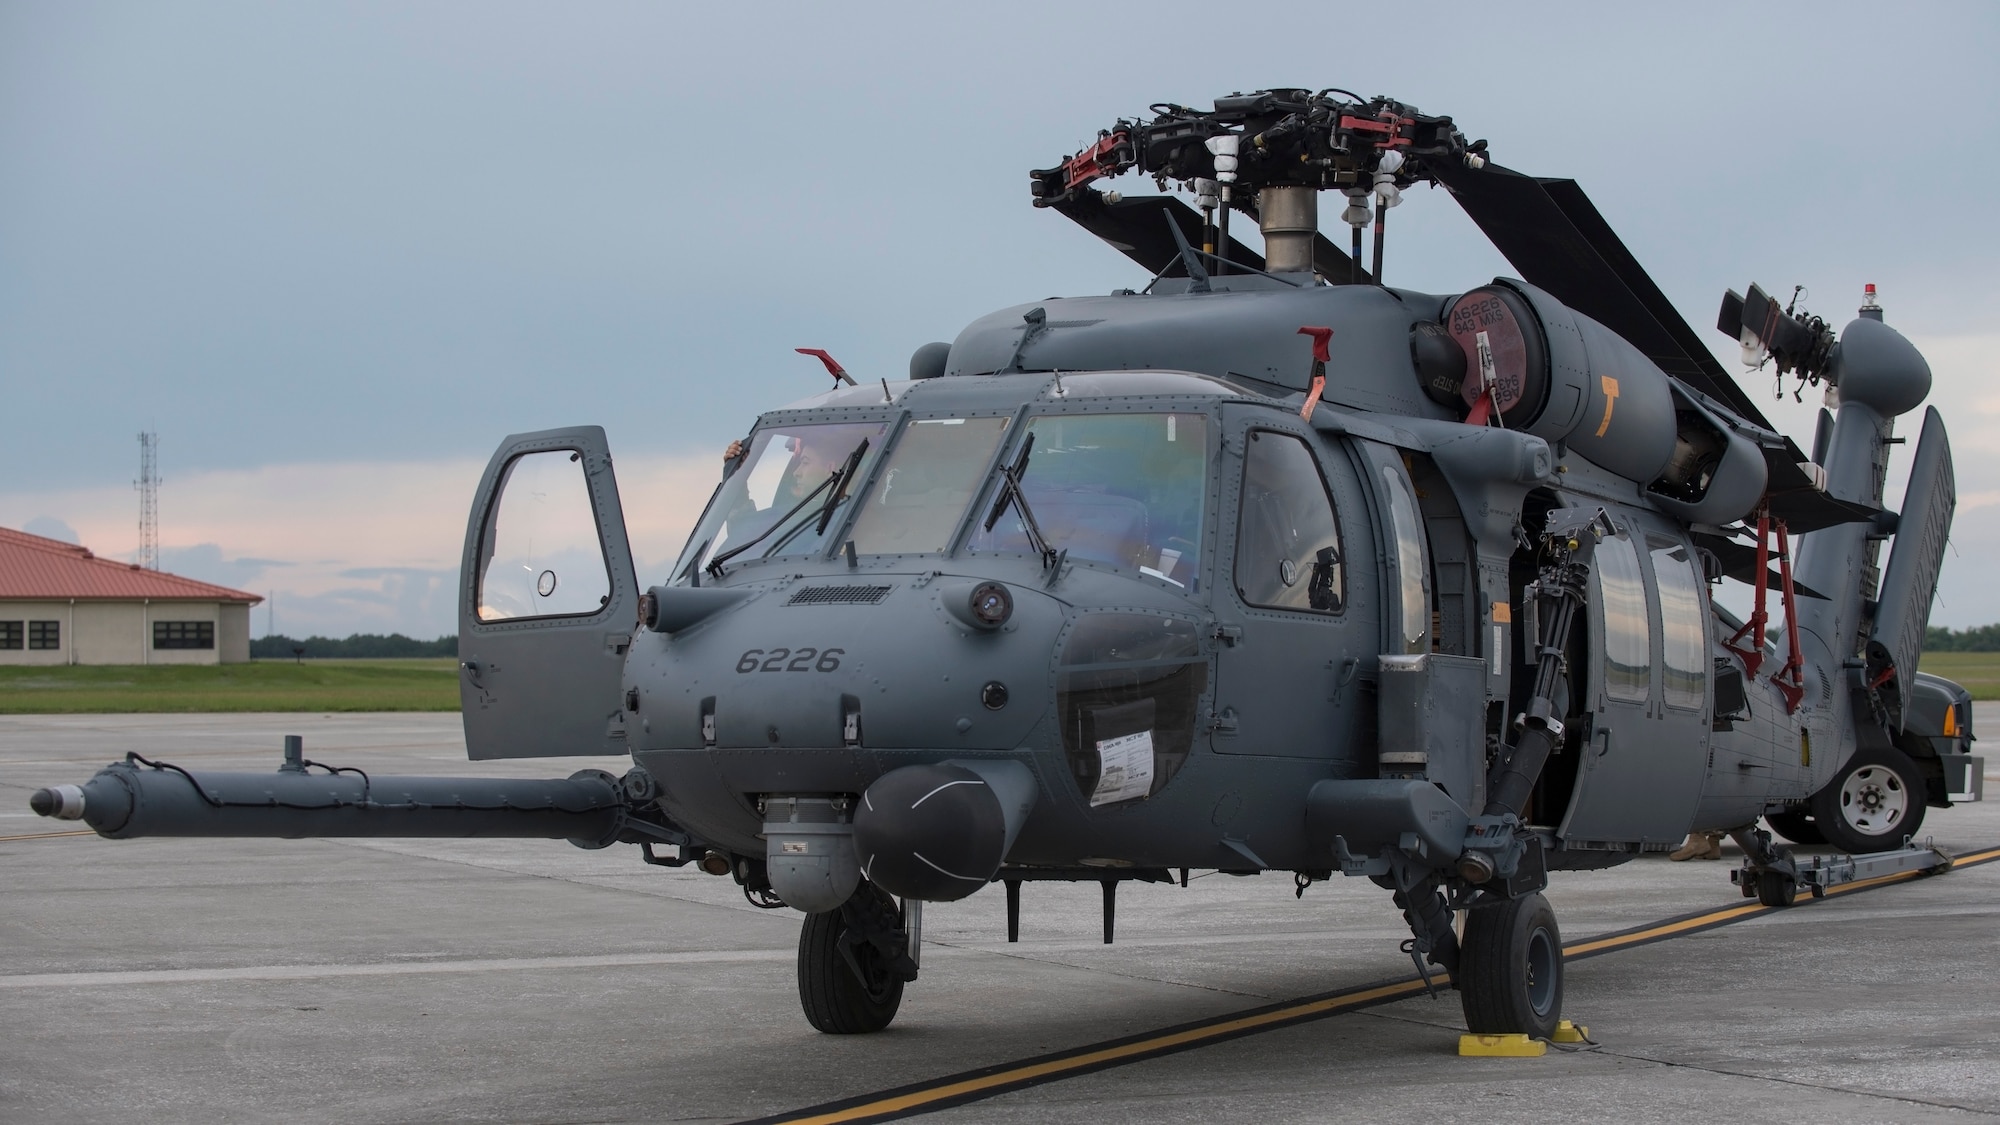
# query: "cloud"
51 528
207 562
344 547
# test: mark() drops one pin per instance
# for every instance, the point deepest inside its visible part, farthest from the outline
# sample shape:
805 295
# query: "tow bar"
1817 873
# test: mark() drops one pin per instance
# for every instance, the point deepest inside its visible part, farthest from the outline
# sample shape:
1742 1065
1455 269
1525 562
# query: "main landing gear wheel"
1797 826
1875 800
1510 969
847 985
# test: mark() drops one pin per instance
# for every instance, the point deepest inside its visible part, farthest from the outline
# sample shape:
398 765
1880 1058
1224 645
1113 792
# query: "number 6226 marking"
790 660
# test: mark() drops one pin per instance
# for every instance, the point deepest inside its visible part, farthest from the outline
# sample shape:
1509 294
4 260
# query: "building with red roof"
61 604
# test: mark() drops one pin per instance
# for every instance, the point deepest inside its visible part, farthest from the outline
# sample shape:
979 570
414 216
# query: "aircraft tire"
1874 801
1510 969
1797 826
1776 889
835 999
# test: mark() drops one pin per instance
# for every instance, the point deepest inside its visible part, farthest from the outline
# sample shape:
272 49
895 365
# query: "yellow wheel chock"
1501 1046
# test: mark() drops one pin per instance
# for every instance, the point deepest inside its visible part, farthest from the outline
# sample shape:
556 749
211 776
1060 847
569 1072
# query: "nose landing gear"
853 963
1510 968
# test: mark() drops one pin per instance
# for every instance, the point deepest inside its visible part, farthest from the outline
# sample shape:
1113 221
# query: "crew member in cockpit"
814 456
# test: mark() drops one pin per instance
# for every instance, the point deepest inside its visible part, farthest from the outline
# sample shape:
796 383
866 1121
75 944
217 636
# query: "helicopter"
1264 565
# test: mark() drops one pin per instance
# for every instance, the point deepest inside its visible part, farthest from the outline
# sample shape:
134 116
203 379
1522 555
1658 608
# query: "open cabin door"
1643 767
547 601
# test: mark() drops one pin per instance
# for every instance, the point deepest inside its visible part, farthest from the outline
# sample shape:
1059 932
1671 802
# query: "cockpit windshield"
1120 489
937 469
768 493
1123 490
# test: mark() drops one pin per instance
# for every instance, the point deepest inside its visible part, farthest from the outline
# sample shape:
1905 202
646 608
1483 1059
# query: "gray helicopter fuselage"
916 674
1255 703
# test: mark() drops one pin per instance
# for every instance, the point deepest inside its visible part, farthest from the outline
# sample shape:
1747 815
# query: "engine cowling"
1565 378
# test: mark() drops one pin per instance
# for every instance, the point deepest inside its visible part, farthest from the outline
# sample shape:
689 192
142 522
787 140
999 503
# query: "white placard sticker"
1124 768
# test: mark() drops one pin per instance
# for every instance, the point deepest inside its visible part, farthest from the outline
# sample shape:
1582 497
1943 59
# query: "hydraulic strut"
1420 896
1559 590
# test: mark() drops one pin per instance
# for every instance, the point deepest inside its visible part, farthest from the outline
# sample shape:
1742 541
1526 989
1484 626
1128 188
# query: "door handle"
1605 736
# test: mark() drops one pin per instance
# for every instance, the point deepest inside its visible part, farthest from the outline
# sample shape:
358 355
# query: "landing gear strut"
1510 964
853 963
1510 968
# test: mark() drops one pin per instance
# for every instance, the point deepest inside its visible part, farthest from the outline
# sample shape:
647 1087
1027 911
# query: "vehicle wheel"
1797 826
1510 969
846 987
1776 889
1875 800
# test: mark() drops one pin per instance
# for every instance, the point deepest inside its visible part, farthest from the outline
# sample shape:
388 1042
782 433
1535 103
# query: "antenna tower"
148 485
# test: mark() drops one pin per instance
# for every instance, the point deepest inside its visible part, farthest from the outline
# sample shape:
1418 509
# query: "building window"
45 634
183 634
11 634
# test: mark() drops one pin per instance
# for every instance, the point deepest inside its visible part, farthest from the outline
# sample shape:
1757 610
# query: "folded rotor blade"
1553 234
1132 226
1739 561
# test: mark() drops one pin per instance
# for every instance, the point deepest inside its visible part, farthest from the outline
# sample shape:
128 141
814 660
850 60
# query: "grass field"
1979 672
261 685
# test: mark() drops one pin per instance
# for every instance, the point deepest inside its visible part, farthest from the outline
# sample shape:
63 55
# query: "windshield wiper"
843 478
1010 491
837 480
840 489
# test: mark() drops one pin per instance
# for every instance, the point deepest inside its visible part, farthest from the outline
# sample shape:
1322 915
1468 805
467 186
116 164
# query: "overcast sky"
333 253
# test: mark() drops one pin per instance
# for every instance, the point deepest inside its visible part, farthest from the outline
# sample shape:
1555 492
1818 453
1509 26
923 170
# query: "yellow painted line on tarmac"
977 1085
48 835
1661 930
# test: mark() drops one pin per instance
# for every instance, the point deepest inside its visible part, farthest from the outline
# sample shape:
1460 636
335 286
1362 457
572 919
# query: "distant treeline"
1986 638
357 646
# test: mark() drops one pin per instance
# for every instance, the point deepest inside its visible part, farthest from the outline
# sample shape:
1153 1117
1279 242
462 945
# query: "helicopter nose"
937 833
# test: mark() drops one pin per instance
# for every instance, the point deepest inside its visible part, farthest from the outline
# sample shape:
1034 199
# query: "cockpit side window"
772 505
1288 552
1413 573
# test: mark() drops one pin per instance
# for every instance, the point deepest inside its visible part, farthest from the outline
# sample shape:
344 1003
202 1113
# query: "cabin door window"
1683 609
542 556
1628 641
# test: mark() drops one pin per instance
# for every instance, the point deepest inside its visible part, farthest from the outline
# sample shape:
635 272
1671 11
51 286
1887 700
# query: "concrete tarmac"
522 981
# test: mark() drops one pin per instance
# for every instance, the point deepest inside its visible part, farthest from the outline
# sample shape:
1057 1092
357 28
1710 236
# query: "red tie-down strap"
1789 679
